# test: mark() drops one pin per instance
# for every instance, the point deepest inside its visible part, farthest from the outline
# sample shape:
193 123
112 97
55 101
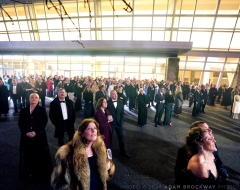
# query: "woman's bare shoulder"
197 167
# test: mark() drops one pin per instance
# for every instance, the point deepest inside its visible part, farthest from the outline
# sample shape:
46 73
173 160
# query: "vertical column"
172 68
236 80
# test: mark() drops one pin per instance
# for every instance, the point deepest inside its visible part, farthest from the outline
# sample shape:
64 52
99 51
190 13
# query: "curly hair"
194 136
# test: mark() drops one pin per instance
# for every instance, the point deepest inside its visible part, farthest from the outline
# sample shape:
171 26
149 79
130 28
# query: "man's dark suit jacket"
19 89
100 94
43 86
197 97
204 95
159 98
56 117
117 113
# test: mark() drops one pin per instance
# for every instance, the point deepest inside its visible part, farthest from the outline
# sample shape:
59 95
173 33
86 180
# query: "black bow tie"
62 101
114 101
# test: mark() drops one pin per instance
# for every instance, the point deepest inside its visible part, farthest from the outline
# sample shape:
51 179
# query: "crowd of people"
83 162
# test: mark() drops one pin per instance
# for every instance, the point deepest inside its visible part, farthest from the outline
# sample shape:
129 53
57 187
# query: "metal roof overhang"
96 48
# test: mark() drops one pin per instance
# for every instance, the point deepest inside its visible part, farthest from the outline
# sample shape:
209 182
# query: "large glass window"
195 65
214 66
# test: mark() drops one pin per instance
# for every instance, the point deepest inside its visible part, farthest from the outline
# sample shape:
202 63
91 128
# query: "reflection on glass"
158 35
182 65
51 66
188 7
122 35
15 37
183 36
215 59
197 39
148 69
214 66
142 22
206 7
195 58
116 68
193 77
106 8
143 7
159 21
203 22
44 36
76 66
116 60
228 8
122 22
195 65
161 70
107 35
134 69
226 78
210 77
180 75
132 60
107 22
226 22
232 60
230 67
148 61
76 73
131 75
224 42
160 6
185 22
103 74
142 35
235 41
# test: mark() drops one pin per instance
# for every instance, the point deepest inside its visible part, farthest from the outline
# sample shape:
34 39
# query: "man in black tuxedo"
204 97
62 116
116 108
101 93
160 100
197 101
41 90
16 91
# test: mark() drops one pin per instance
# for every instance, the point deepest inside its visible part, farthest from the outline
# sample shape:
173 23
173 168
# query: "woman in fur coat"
82 163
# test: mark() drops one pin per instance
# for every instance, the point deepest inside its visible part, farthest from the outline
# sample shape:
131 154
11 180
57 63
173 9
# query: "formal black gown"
78 95
169 100
211 182
4 94
142 109
35 159
88 105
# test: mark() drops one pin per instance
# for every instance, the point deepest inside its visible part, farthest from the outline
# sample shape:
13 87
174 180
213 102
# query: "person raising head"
103 117
35 160
203 167
82 163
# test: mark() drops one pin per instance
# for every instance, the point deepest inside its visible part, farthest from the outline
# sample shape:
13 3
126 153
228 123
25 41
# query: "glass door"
67 74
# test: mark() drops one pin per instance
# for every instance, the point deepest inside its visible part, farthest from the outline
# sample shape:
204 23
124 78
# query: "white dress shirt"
64 110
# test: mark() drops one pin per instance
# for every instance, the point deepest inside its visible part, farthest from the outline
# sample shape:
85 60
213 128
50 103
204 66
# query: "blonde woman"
94 89
178 101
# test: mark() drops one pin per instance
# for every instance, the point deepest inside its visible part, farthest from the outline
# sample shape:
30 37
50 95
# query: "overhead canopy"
96 48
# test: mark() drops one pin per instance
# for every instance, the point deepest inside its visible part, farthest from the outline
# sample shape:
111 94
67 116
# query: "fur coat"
72 169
